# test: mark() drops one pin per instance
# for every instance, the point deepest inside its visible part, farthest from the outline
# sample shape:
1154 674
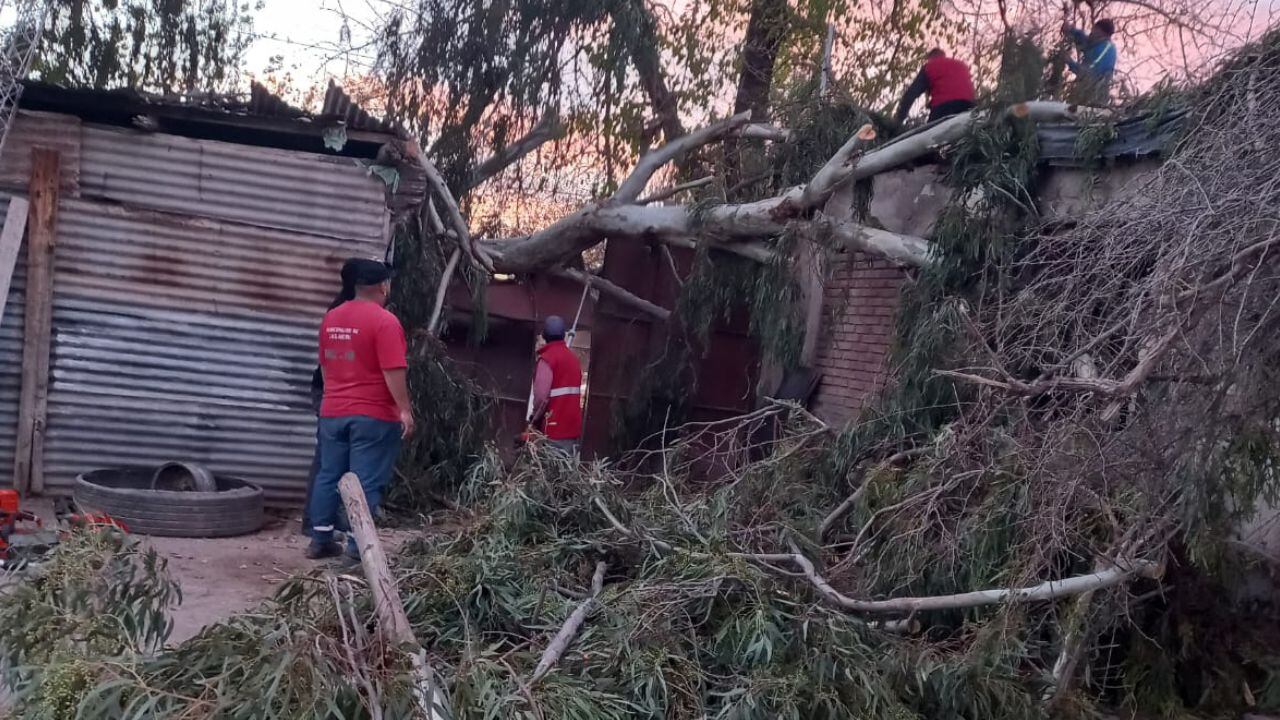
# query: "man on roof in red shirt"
557 387
948 83
365 412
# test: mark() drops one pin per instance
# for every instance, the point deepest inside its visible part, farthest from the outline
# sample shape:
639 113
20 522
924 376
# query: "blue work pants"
362 445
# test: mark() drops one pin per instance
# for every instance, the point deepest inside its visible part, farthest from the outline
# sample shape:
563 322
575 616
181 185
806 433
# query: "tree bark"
547 129
1120 571
387 606
569 630
648 65
767 27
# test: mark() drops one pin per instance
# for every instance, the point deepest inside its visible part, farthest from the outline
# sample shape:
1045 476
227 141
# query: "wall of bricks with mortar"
860 307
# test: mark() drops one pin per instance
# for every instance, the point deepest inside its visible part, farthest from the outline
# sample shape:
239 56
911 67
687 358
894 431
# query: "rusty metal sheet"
622 342
181 338
31 129
167 261
263 187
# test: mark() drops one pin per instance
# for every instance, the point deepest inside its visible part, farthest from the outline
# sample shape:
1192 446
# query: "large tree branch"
762 131
904 249
454 214
620 218
547 129
918 143
630 189
614 291
727 224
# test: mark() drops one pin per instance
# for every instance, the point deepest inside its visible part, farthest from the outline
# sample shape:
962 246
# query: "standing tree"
166 46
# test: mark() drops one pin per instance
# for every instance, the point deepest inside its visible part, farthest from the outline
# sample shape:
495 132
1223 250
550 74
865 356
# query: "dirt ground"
224 576
221 577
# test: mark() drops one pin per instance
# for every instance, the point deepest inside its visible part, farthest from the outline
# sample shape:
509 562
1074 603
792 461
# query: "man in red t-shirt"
365 412
948 83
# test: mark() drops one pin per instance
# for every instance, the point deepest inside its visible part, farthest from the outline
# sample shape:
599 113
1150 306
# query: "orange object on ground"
80 520
11 514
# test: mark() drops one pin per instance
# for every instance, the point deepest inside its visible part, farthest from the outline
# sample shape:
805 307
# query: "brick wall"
860 304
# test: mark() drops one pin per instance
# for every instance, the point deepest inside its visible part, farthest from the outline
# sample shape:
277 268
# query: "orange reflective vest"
563 420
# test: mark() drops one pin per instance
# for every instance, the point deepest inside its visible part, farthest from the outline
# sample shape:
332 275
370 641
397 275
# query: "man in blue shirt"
1097 64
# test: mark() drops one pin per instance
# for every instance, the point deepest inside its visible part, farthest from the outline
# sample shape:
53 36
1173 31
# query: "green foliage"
1022 69
1092 141
455 413
171 46
1240 478
102 595
731 640
992 176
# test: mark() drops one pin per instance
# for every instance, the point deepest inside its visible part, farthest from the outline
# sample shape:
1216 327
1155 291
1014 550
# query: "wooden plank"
15 224
28 465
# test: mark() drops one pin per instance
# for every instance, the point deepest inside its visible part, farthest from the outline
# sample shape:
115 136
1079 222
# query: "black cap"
1106 26
362 272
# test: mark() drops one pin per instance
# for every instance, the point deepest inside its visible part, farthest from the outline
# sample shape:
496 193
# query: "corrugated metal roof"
339 106
260 104
1136 137
11 356
179 338
265 187
264 102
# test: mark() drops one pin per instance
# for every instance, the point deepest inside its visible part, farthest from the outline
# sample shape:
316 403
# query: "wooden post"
28 465
387 606
15 224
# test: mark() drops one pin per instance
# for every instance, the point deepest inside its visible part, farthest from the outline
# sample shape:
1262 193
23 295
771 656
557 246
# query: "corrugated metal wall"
256 186
185 339
189 279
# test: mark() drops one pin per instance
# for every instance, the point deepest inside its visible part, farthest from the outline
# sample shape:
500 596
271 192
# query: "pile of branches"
1039 519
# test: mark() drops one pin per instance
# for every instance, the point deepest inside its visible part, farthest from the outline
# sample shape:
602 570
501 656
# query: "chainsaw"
24 537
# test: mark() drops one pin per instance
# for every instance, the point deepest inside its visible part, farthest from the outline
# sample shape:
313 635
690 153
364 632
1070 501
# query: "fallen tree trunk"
393 623
725 225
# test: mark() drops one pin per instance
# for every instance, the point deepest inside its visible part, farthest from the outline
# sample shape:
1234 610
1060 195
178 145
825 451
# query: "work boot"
320 551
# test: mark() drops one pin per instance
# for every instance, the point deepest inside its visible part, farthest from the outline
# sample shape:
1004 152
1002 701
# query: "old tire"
124 494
